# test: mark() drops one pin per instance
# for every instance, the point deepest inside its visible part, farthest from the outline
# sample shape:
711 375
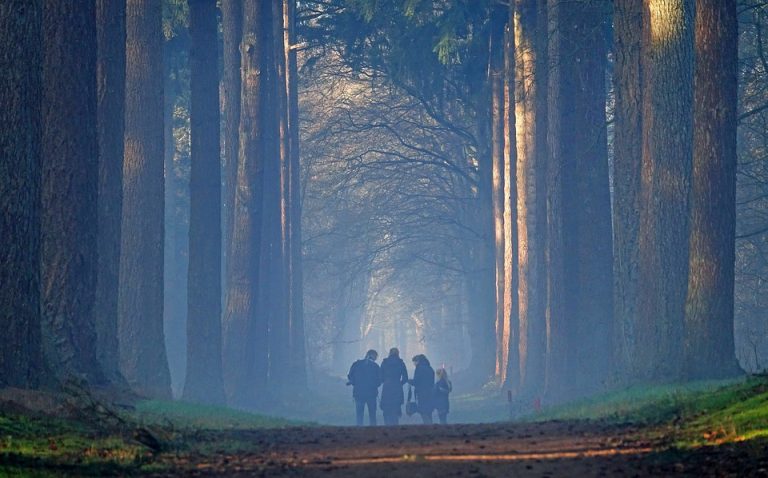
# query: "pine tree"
143 360
20 186
204 377
70 190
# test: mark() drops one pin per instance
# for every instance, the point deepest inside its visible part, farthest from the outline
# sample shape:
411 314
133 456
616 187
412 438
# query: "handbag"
411 407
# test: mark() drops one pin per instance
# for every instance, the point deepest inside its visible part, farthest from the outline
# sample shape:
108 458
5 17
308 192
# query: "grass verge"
692 414
186 415
40 445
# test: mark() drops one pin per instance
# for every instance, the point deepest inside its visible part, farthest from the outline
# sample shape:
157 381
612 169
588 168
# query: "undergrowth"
693 414
109 443
99 441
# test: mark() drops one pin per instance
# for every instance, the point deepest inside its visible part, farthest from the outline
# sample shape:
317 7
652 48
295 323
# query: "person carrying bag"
411 407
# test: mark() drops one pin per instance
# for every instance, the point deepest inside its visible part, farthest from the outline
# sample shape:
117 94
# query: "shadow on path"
491 450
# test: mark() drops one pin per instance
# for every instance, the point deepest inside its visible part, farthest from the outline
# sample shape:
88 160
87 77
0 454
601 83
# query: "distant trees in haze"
601 260
262 334
542 190
86 132
204 382
245 347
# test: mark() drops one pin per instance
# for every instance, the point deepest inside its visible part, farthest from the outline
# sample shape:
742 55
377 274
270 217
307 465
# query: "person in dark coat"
424 384
443 387
393 376
365 378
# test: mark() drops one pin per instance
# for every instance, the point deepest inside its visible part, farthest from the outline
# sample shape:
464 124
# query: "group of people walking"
431 393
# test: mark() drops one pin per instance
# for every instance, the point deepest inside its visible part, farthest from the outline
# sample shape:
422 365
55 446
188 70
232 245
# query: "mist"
295 211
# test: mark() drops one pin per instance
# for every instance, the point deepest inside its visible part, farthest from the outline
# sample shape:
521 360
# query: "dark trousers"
443 417
426 418
392 418
360 404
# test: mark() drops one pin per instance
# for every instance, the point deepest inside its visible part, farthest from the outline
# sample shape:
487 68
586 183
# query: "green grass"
48 446
733 414
35 446
639 404
689 415
188 415
692 414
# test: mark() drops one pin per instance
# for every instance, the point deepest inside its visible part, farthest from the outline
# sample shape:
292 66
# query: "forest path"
490 450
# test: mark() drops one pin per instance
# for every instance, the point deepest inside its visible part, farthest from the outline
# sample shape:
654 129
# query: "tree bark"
20 186
297 339
204 377
510 232
582 155
627 159
709 344
586 197
496 85
245 328
557 326
530 120
110 67
481 283
275 288
143 359
480 280
667 70
70 190
232 23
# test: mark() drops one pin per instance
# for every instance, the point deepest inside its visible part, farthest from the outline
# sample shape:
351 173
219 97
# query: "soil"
485 450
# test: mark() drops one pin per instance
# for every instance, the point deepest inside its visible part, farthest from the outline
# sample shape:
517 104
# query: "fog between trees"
229 202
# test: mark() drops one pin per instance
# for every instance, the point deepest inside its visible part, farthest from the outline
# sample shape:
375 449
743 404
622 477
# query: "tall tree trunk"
70 189
667 70
709 342
245 328
297 344
496 85
176 247
143 359
587 228
510 252
627 159
20 186
479 292
557 325
276 206
204 377
480 282
530 118
232 25
478 254
585 215
110 68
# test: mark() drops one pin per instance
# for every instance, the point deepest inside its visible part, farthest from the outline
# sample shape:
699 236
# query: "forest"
224 204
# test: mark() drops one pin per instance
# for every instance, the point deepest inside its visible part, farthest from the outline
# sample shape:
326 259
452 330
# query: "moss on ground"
49 446
686 416
45 446
692 414
731 414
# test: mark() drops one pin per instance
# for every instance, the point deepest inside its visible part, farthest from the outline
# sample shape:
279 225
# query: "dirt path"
509 450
